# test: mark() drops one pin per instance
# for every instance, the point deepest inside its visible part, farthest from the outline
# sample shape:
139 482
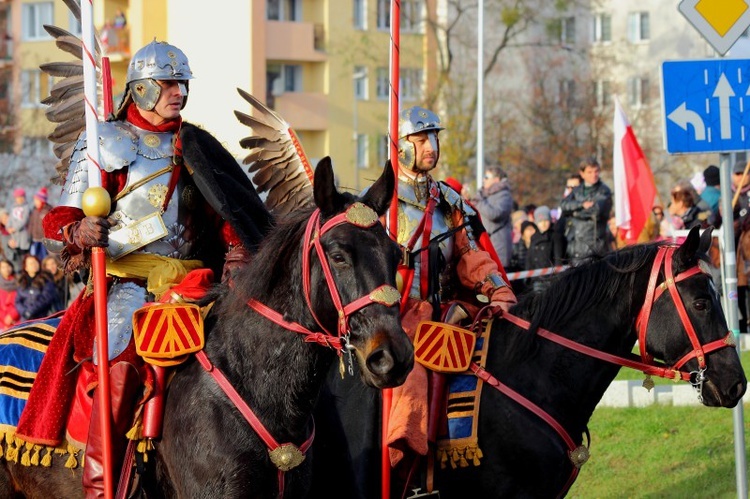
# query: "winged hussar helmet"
155 61
416 120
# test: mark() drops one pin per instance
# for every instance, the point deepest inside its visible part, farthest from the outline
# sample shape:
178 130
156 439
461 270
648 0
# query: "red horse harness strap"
578 454
284 456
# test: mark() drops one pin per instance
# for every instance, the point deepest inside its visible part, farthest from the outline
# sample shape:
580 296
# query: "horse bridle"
653 293
287 456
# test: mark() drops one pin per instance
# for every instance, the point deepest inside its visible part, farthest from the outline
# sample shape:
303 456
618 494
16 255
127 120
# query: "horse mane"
580 290
275 270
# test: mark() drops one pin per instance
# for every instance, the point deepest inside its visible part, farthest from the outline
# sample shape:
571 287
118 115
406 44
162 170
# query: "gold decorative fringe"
26 456
135 433
72 461
47 459
30 454
460 457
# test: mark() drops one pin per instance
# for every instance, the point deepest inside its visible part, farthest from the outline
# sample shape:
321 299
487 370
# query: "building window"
639 27
282 78
601 28
362 151
360 82
33 16
638 92
284 10
568 30
411 84
360 14
74 25
411 15
382 90
602 93
567 93
30 88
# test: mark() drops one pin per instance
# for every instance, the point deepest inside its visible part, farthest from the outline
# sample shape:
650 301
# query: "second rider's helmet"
416 120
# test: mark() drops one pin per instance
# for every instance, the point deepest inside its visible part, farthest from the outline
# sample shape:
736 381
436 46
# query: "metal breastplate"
148 195
410 212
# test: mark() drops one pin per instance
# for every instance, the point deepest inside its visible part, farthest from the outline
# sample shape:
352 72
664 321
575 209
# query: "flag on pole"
635 190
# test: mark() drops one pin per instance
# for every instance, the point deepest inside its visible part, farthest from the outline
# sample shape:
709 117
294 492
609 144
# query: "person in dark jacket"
588 208
545 247
36 296
494 203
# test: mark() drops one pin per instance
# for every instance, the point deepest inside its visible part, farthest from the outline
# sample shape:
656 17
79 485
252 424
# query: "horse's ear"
705 243
694 243
327 198
379 196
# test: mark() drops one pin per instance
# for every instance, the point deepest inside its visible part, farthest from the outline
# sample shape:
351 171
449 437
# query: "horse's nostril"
380 362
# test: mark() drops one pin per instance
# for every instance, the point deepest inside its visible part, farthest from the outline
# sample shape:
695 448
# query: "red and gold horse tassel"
443 348
166 333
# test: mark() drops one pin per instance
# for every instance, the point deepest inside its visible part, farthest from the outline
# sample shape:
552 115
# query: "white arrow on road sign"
724 91
683 117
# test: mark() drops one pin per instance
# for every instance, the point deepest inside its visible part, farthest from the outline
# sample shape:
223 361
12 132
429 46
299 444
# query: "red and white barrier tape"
513 276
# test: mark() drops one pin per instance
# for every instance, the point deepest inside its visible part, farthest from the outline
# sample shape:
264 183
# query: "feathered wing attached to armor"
66 100
276 161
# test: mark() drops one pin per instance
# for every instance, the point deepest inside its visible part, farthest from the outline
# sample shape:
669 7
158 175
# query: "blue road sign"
706 105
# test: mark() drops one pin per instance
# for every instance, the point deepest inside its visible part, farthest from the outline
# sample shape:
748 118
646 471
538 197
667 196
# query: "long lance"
96 202
387 397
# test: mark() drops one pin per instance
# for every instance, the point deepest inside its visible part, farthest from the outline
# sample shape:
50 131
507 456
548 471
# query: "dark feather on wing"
276 166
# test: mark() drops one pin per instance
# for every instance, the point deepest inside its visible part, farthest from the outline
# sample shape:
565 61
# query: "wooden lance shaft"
96 202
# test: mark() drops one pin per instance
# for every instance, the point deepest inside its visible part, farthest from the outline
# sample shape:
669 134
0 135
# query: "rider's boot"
124 383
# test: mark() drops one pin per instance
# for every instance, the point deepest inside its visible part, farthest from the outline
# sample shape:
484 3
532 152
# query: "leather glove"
87 233
236 259
501 300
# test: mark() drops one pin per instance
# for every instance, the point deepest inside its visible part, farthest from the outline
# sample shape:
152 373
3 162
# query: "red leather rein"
579 454
287 456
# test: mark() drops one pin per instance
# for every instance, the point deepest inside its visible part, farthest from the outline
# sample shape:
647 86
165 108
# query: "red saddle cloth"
60 381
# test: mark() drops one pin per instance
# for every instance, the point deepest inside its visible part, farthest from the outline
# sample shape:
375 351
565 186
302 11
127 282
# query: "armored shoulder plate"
456 201
118 145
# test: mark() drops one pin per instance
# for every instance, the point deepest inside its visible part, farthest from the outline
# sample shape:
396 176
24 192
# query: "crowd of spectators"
32 283
583 224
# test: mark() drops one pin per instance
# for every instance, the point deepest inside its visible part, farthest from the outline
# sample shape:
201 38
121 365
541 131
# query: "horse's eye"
700 305
338 259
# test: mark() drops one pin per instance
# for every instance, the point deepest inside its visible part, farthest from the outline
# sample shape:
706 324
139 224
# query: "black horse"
596 304
208 449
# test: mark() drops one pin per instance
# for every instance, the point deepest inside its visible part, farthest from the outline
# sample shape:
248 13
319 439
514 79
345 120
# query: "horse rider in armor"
172 187
442 263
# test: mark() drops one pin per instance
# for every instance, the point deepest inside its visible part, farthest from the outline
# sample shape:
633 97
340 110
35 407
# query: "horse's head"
359 263
688 329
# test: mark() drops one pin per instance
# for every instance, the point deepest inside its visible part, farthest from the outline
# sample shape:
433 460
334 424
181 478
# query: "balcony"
116 42
303 110
294 41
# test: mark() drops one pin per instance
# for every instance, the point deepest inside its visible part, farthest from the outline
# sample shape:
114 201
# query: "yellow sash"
160 272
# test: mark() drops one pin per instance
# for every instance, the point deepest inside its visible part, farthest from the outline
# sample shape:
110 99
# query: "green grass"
661 451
